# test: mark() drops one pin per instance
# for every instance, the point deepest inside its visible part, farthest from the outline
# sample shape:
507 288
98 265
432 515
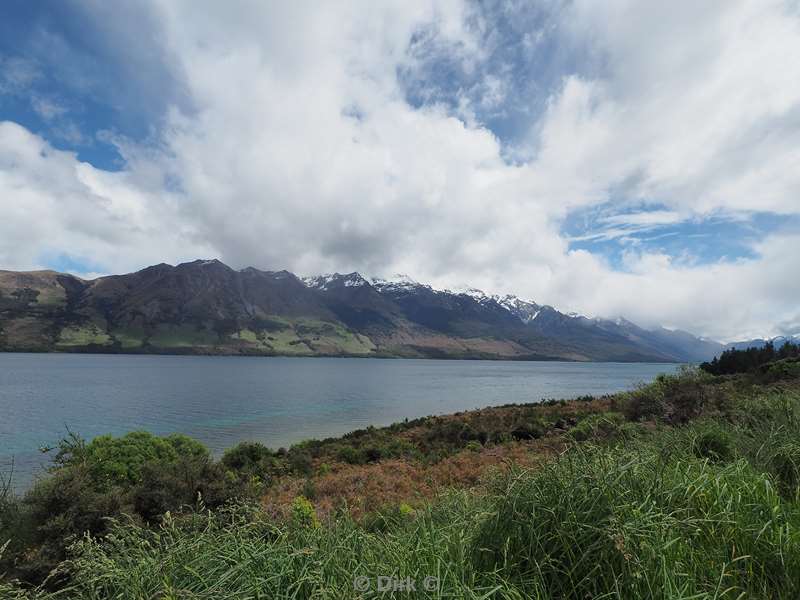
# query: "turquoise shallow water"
223 400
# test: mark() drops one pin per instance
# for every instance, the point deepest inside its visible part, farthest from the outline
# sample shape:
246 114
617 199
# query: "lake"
223 400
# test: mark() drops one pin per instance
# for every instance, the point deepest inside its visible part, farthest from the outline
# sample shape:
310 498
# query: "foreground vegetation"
686 488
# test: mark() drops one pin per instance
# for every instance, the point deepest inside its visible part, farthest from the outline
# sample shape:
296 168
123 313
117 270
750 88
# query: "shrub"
303 513
248 457
644 403
254 463
674 398
350 455
605 425
16 529
119 461
529 430
139 474
300 462
189 481
783 369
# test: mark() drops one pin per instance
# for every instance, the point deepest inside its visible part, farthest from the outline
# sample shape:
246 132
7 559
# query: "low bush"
676 399
529 430
602 426
137 474
303 513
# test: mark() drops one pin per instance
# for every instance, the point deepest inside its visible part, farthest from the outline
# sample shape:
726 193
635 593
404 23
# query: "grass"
686 488
247 335
332 338
129 337
286 341
84 335
306 336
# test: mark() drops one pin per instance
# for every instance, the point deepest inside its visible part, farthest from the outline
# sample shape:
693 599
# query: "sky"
606 157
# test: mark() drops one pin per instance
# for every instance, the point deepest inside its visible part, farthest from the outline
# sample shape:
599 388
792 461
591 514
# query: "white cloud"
301 152
52 203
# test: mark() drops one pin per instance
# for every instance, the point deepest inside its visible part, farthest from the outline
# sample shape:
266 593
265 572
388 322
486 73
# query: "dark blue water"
223 400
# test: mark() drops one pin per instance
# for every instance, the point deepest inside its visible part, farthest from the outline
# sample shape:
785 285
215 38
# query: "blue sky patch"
72 79
67 263
609 232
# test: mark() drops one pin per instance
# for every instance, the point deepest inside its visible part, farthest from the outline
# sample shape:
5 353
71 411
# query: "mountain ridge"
206 307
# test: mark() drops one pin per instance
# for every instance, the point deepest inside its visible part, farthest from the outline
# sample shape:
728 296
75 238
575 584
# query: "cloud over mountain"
451 141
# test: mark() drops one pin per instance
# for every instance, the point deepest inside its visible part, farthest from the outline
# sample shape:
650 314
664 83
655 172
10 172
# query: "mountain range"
206 307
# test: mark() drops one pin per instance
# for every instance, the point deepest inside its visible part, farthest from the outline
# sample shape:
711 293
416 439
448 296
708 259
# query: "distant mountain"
760 342
205 307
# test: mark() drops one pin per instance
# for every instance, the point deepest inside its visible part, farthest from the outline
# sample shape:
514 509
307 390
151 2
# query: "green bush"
676 399
253 462
138 474
780 370
602 426
350 455
300 462
303 513
189 481
529 430
119 461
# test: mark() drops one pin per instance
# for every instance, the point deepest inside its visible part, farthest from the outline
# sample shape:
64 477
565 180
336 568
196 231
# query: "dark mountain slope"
207 307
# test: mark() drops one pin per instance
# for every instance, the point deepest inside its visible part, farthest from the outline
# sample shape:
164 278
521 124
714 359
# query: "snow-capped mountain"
525 310
323 282
397 284
205 306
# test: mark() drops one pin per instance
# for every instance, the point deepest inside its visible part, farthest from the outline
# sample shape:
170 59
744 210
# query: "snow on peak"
472 292
318 282
397 282
324 282
354 280
525 310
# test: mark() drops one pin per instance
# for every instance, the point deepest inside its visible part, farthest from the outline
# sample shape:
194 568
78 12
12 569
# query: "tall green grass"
647 523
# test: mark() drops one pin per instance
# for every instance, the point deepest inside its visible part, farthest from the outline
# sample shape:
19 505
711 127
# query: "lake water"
278 401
